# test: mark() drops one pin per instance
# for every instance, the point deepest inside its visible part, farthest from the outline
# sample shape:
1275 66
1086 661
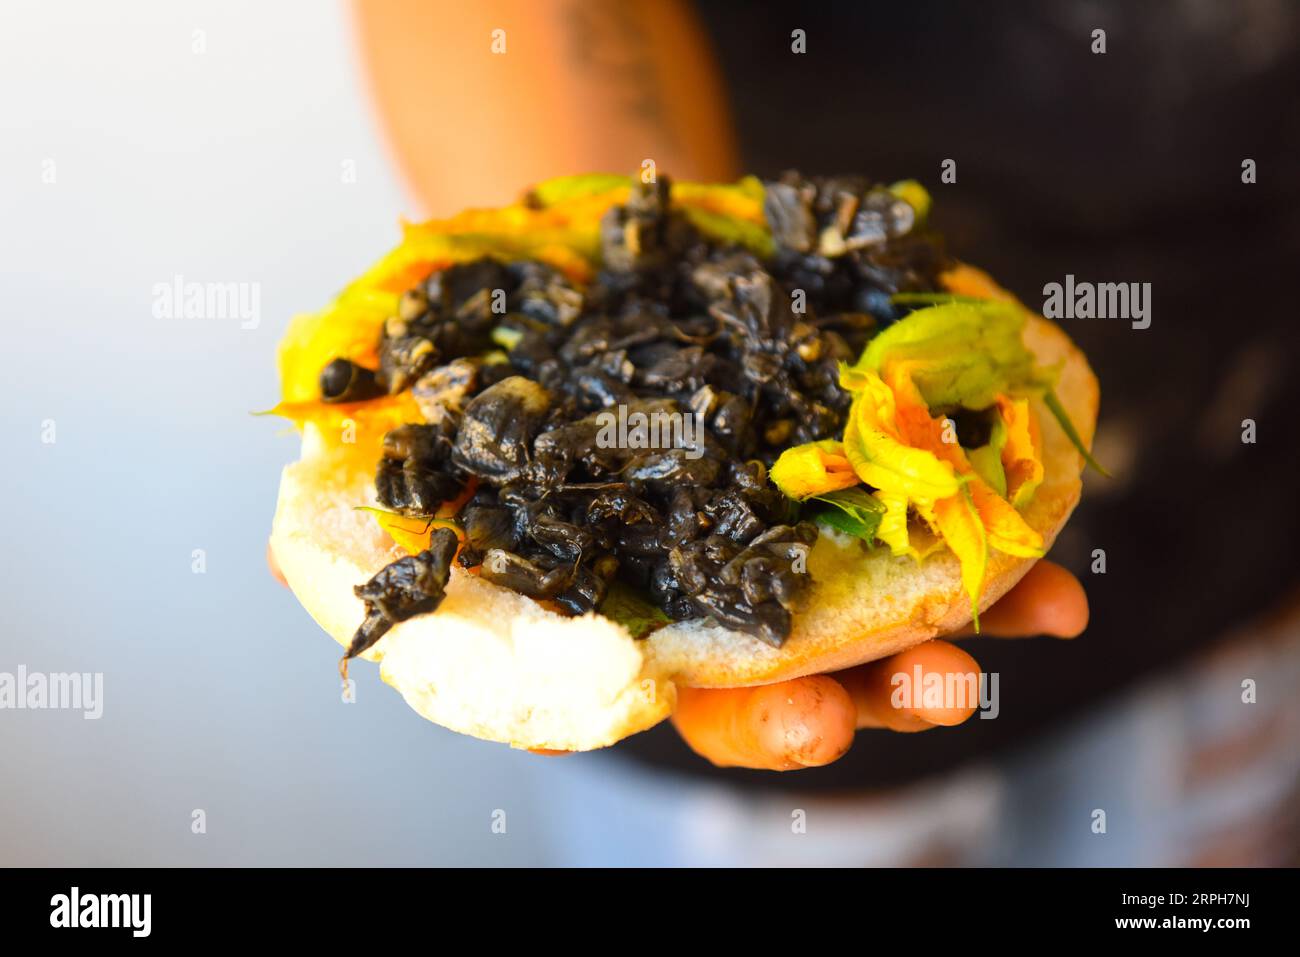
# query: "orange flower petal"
1022 453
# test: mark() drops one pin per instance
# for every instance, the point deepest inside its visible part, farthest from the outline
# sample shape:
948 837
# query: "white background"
220 693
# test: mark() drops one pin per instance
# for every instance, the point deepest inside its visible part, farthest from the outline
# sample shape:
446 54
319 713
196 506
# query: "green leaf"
987 463
987 459
1054 406
627 606
854 511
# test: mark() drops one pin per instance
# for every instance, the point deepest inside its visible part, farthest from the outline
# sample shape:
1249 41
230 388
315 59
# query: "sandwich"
627 435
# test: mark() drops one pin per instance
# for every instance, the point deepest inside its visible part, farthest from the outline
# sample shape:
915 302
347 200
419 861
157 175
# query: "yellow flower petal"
813 469
893 524
412 534
885 463
353 431
1007 530
963 531
881 458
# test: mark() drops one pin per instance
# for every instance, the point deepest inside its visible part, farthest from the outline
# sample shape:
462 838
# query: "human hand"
811 721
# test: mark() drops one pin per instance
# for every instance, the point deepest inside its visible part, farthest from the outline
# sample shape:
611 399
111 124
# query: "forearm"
479 100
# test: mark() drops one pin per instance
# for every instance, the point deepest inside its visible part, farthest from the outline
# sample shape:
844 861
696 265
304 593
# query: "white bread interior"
494 664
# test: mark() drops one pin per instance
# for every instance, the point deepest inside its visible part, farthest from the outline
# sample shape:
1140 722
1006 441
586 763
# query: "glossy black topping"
674 326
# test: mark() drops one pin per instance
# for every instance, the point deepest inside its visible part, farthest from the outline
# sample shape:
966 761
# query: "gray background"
220 693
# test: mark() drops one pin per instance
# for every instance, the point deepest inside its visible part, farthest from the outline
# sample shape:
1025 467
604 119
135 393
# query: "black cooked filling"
674 323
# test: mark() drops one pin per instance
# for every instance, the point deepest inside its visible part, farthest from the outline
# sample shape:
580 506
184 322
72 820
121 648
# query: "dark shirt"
1117 167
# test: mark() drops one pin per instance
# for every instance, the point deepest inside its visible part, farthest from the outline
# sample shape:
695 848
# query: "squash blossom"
958 356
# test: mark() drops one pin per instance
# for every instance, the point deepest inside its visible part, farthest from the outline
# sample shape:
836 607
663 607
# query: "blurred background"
275 146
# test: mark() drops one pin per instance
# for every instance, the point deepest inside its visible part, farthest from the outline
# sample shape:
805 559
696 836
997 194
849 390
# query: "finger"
1047 601
272 564
891 693
802 723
